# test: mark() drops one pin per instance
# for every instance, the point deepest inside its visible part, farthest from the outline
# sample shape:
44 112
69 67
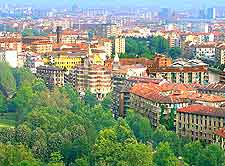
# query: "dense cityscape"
112 85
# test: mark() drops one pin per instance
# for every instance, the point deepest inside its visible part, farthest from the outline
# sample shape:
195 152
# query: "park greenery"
28 32
147 47
39 127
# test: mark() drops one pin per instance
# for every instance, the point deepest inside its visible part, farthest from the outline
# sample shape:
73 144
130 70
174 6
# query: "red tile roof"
41 42
172 93
203 110
154 92
220 132
132 61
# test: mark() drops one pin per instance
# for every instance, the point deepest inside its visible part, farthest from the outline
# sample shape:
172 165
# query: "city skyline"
118 3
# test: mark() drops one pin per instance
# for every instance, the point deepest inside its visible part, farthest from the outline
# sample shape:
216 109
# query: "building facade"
119 45
42 47
67 61
53 76
186 72
95 78
199 122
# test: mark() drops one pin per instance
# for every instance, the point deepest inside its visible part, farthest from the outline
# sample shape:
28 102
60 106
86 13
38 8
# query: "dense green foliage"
159 44
7 81
137 48
147 47
33 32
57 128
174 52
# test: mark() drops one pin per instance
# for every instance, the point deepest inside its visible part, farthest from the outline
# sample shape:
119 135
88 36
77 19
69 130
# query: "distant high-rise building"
75 7
211 13
200 27
202 14
164 13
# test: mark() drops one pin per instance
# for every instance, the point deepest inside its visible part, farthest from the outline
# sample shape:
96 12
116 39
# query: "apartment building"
68 61
96 78
119 45
42 47
199 122
152 99
204 50
106 45
161 60
174 40
220 54
53 76
106 30
7 43
11 41
122 70
182 71
34 61
152 96
103 30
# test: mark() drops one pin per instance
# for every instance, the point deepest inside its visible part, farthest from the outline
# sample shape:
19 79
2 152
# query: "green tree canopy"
174 52
159 44
7 81
30 32
140 126
164 156
193 153
12 155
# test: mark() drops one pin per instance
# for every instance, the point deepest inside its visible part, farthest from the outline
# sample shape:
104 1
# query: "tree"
164 156
38 86
123 131
3 103
56 157
174 52
213 155
22 103
106 150
158 135
99 117
162 116
193 153
23 76
170 122
73 95
159 44
7 135
55 142
136 154
30 32
82 162
40 149
23 134
7 81
107 101
113 149
90 98
16 155
140 126
137 48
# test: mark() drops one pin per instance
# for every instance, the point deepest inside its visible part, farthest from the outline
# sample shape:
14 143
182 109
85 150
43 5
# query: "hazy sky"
124 3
